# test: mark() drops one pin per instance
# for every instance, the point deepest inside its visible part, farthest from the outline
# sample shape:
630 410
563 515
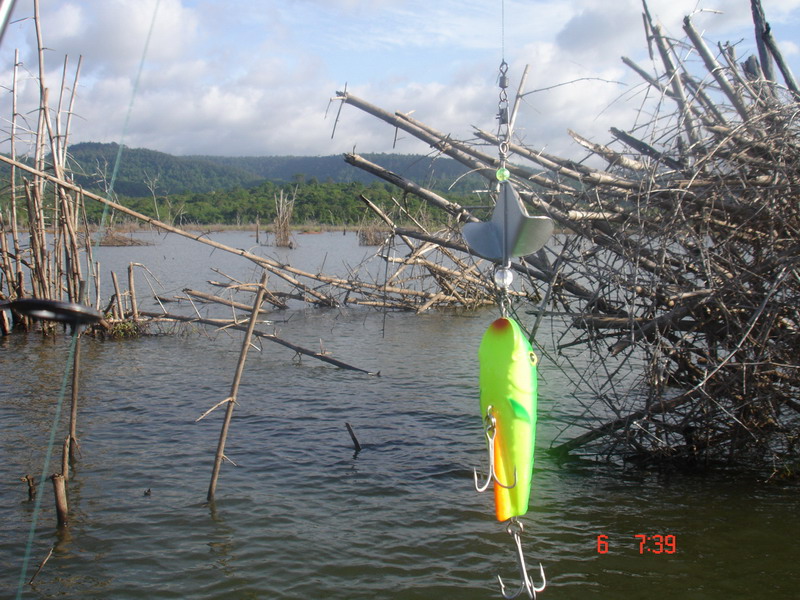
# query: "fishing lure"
508 398
508 378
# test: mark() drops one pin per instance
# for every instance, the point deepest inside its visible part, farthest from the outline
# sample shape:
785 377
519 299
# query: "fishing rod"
6 8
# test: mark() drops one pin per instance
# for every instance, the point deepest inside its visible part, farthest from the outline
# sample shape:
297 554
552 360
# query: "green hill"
142 169
139 169
438 173
237 190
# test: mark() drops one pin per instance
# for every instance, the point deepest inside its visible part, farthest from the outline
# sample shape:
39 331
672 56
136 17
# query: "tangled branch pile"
681 265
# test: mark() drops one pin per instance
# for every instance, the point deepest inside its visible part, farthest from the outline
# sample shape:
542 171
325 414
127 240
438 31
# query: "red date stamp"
648 544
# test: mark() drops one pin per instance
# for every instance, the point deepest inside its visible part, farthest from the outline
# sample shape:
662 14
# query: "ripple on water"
303 516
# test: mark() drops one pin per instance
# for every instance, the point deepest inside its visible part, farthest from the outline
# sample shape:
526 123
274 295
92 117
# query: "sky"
256 77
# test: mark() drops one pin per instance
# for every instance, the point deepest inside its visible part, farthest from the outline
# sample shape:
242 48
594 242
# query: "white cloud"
111 34
243 77
789 48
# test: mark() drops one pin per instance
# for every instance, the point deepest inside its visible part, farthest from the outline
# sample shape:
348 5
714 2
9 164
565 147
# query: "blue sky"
254 77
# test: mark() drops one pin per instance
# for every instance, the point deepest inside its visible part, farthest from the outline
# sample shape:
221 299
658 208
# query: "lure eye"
534 358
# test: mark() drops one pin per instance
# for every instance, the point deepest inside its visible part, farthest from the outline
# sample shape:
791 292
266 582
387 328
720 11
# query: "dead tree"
284 206
679 268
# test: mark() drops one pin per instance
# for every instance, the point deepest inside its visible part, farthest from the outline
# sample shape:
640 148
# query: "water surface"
301 515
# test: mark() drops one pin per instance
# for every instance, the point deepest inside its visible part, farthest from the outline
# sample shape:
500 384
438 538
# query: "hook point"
515 528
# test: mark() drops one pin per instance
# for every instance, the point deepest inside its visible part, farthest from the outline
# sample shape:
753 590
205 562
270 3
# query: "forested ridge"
237 190
314 202
140 169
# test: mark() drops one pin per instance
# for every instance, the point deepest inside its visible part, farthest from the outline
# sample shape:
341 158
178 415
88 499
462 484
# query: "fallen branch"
259 334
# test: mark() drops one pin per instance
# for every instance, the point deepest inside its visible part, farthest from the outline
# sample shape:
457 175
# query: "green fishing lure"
508 399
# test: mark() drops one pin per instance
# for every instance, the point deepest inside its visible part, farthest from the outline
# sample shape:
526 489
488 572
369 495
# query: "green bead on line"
502 174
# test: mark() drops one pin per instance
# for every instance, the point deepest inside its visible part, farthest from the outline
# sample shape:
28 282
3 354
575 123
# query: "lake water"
303 516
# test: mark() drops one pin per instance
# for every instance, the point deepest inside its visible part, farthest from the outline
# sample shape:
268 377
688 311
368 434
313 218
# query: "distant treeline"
237 190
315 202
141 170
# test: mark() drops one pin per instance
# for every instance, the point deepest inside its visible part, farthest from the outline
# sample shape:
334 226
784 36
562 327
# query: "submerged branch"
223 323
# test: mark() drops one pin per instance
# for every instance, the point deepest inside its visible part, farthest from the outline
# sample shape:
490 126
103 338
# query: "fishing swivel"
514 528
490 431
502 110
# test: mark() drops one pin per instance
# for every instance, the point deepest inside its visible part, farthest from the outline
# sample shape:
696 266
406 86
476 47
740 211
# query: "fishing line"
118 159
76 327
48 455
503 30
508 378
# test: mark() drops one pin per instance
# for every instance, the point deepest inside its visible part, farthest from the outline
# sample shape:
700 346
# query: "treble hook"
514 528
490 431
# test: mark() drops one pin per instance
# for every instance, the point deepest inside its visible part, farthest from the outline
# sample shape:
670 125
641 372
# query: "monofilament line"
48 455
134 92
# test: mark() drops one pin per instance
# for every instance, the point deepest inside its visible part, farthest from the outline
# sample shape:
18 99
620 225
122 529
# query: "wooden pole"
65 459
223 435
220 300
132 292
119 308
5 324
407 185
786 71
60 489
13 176
353 437
31 487
715 69
762 30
